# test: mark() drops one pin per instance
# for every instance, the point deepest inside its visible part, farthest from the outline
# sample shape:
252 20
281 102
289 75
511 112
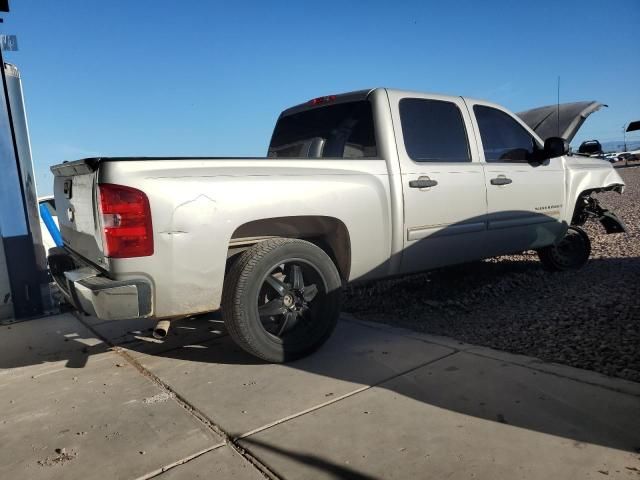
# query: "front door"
442 181
524 195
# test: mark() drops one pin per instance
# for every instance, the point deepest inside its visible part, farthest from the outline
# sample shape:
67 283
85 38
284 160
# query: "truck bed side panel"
197 205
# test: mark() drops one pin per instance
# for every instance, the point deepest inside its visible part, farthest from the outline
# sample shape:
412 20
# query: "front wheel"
281 299
572 252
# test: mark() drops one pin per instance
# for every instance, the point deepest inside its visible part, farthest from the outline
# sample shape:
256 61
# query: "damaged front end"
588 207
584 174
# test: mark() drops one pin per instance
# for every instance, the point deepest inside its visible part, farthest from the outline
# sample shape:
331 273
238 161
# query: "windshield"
343 130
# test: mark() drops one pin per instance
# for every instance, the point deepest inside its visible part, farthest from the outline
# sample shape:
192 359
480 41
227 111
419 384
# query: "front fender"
585 176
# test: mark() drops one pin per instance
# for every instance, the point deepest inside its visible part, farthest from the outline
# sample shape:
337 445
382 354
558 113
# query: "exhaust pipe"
162 329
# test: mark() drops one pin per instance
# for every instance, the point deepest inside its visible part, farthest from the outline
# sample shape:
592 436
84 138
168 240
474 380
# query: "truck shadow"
437 372
446 375
480 385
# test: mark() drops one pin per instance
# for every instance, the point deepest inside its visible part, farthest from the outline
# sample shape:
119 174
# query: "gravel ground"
588 318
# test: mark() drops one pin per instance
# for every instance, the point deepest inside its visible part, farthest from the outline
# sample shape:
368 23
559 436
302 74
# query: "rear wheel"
281 299
572 252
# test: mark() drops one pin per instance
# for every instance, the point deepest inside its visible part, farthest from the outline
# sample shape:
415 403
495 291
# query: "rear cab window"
341 130
433 131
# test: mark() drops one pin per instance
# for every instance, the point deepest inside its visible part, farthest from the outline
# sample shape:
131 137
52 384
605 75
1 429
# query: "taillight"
126 222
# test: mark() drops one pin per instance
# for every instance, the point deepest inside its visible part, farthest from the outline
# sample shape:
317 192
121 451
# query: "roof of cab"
362 95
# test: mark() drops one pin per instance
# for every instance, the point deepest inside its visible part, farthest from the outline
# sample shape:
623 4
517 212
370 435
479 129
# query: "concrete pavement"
88 399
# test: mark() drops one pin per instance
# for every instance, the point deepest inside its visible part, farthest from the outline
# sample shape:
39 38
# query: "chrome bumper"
90 292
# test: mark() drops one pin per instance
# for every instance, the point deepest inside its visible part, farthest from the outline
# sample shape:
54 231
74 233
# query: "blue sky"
209 78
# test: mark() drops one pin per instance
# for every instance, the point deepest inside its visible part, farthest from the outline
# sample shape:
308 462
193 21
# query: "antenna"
558 106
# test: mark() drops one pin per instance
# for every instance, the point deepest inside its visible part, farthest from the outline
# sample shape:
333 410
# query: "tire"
571 253
267 307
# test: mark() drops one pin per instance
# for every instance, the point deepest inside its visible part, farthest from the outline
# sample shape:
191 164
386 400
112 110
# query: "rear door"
442 181
524 196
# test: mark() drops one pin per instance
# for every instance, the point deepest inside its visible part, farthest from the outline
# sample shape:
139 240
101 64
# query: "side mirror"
555 147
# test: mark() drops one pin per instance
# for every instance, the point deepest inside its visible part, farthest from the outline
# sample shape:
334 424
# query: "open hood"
544 120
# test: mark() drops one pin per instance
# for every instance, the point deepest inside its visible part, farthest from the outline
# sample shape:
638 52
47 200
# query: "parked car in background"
591 148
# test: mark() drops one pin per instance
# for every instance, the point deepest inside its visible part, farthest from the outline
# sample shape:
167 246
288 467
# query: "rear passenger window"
503 139
433 131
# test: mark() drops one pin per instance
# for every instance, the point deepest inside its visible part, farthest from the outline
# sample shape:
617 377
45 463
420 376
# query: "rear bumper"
91 292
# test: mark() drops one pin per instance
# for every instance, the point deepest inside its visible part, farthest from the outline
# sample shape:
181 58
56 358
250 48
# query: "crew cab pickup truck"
356 186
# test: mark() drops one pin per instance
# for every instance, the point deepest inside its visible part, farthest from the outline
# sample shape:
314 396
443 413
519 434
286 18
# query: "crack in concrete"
342 397
232 442
177 463
192 410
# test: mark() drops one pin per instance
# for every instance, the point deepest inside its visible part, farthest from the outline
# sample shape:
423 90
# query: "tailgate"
75 194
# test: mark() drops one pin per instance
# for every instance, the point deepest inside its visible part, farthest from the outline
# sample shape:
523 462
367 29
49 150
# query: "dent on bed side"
188 215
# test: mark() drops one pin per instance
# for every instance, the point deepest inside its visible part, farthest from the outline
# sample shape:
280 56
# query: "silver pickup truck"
355 187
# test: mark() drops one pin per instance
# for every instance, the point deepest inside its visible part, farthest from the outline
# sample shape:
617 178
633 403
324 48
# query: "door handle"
501 180
423 182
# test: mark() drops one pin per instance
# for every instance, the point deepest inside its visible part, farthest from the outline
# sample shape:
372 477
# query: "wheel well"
582 201
585 202
328 233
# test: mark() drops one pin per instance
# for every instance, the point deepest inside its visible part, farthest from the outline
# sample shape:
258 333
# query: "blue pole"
47 218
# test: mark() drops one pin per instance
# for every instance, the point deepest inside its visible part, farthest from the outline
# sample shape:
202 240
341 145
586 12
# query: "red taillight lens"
126 222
